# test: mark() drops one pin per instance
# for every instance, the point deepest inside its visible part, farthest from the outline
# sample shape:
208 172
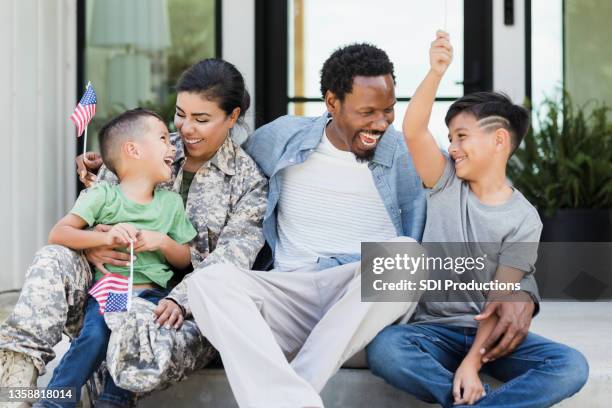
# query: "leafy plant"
567 161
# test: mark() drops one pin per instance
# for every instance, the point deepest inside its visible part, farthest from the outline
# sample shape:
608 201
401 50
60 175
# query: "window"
295 37
587 56
318 27
134 52
568 49
546 50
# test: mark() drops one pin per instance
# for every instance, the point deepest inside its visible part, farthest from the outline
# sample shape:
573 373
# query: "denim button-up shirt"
290 140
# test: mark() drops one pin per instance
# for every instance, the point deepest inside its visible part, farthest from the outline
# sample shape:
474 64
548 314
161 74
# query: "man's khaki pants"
257 320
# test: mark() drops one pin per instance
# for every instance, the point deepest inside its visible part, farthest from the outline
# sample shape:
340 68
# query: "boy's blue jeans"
86 353
421 359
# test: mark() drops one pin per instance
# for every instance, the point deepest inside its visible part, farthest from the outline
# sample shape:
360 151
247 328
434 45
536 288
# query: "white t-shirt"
328 206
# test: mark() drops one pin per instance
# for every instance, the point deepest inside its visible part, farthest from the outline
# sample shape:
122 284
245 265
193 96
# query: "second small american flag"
111 292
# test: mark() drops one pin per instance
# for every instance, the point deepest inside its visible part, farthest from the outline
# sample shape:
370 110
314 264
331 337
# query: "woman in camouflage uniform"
225 198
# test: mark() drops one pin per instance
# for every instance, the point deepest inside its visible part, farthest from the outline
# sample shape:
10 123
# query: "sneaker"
16 370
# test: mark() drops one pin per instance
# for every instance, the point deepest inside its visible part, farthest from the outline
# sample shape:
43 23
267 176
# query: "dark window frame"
271 56
528 85
528 49
80 56
81 42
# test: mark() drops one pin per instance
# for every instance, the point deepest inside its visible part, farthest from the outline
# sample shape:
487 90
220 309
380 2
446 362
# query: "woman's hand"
467 387
168 314
88 165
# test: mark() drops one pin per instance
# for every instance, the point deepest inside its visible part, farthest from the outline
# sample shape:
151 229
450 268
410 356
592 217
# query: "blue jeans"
421 359
86 353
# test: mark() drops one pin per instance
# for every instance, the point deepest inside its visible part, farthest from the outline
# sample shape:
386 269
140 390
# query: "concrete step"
348 388
585 326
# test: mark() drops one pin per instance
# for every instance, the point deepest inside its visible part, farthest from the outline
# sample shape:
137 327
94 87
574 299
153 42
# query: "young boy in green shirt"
135 146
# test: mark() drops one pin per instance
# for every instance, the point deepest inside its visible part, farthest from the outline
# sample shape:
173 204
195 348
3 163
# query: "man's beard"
367 157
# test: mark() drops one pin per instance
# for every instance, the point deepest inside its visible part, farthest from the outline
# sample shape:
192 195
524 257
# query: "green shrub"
567 161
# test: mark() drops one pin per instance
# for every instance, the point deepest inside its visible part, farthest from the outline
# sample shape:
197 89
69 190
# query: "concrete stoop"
348 388
584 326
354 388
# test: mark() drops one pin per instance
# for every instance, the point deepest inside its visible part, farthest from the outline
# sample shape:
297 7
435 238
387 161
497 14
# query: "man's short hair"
115 131
350 61
493 110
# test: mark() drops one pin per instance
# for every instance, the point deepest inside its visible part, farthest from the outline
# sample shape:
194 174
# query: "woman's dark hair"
348 62
499 108
219 81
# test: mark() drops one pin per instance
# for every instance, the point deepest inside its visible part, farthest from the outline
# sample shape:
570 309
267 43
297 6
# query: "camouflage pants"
52 301
140 356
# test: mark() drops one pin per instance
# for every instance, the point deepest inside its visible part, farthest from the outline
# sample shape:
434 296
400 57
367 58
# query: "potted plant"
564 168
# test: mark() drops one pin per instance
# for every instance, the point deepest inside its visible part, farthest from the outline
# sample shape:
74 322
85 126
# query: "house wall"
37 94
238 43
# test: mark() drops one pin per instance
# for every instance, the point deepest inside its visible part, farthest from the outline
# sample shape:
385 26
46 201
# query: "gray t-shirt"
509 234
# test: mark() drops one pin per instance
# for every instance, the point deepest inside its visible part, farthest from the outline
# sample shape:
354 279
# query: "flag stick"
85 141
131 279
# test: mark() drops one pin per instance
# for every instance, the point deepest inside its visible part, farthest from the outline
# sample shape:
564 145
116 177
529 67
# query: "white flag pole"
446 15
131 278
85 141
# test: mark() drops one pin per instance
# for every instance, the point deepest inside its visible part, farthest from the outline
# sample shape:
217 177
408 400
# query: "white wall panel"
238 43
509 51
37 94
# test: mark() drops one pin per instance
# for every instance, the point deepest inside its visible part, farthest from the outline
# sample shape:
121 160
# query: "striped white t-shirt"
328 206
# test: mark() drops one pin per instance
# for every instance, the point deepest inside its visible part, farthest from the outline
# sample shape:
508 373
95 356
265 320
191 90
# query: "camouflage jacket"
226 204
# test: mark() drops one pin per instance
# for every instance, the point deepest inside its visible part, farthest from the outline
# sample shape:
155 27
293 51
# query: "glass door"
310 30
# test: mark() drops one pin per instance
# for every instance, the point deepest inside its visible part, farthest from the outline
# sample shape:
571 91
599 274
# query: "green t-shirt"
106 204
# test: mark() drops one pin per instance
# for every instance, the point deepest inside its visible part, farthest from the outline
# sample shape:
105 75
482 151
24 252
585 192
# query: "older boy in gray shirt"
437 358
505 234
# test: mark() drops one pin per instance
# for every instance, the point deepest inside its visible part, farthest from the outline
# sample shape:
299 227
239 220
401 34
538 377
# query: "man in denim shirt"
335 181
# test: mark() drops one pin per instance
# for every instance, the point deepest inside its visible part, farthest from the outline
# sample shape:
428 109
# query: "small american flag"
111 292
85 110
